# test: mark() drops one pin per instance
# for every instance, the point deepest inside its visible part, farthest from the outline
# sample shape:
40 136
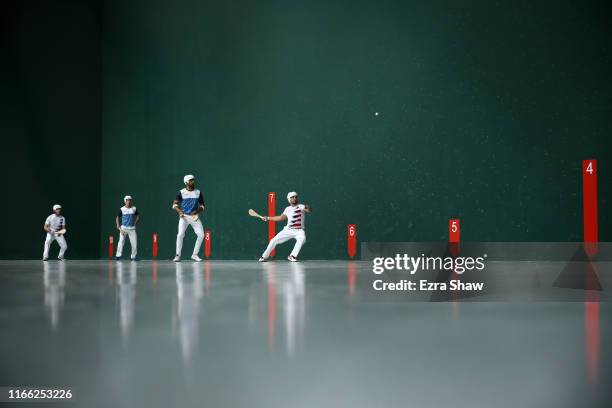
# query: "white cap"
187 178
56 206
291 194
127 197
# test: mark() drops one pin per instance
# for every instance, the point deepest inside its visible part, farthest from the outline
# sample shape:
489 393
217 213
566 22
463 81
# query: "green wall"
485 113
50 110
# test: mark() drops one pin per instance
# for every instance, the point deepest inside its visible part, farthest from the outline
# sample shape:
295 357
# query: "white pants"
131 233
60 240
285 235
184 222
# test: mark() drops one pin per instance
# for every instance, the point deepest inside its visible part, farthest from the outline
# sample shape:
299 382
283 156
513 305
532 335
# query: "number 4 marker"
589 205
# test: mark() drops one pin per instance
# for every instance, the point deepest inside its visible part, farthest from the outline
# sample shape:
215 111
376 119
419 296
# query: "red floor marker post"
155 246
589 205
207 243
111 246
352 240
454 236
271 224
454 240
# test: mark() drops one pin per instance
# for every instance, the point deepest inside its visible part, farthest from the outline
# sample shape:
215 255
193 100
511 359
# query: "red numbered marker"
111 246
271 224
454 236
352 240
155 246
454 231
589 205
207 243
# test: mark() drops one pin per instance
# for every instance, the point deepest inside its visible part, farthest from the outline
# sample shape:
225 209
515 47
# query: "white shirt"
296 216
55 222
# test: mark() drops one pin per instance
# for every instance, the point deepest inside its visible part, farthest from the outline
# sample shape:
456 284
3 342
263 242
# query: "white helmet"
187 178
291 194
56 206
127 197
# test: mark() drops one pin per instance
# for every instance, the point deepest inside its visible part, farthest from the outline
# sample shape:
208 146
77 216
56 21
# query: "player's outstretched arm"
275 218
307 208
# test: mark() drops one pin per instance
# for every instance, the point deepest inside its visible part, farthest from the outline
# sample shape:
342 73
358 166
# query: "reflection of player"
126 221
54 279
295 215
188 203
190 291
55 225
126 290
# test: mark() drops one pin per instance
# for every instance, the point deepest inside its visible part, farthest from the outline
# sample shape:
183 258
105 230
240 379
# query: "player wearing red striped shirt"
295 215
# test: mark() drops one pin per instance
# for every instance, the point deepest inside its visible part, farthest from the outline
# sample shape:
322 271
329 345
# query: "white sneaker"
196 258
262 259
60 258
177 259
292 258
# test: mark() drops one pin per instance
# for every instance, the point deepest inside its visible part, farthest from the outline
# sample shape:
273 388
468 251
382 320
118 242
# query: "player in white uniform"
126 221
188 203
295 215
55 225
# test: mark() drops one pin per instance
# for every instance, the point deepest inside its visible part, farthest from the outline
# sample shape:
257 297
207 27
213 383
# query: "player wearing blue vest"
126 221
188 203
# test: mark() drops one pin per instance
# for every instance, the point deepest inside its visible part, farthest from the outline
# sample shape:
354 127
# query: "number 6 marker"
352 240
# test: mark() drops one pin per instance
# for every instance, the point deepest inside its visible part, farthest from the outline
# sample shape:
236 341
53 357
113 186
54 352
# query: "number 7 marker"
271 224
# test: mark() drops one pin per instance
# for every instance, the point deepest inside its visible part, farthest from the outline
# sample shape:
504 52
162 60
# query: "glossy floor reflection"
234 334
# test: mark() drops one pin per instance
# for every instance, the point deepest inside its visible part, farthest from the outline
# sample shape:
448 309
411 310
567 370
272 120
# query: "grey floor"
311 334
